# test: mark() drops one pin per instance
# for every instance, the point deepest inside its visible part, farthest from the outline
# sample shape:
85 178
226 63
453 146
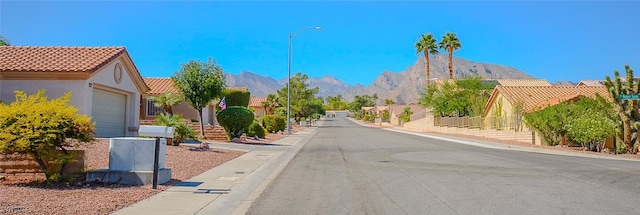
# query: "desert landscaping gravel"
98 198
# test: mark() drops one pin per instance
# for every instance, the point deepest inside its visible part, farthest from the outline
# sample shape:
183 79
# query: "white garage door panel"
108 113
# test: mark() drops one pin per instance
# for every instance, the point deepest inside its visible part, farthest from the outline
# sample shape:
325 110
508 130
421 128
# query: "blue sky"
360 39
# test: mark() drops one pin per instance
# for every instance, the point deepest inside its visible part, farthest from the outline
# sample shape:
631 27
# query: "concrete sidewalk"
229 188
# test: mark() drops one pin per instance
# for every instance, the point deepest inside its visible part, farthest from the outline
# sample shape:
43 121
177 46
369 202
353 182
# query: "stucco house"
160 86
507 102
104 82
255 103
395 110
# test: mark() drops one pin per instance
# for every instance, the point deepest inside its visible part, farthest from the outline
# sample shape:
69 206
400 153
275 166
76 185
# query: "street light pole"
291 36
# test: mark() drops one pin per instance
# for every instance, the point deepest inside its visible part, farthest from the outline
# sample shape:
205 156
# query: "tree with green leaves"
405 116
627 109
4 41
166 101
461 97
389 102
594 120
303 98
336 103
271 104
450 42
200 83
427 45
360 101
586 121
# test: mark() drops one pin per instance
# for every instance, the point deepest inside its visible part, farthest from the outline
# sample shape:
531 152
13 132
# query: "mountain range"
402 87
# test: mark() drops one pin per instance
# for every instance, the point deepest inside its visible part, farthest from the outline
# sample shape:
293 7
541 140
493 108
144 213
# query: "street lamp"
291 35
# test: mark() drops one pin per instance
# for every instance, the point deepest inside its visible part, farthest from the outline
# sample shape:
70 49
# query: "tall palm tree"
427 45
166 101
450 42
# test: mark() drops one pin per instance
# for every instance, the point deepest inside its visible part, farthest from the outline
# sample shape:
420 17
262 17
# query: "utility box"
135 154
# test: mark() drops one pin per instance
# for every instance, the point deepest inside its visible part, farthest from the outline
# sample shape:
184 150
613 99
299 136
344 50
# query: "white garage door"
108 113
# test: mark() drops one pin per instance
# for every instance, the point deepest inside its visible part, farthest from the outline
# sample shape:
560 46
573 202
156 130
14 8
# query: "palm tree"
166 101
427 45
450 42
271 103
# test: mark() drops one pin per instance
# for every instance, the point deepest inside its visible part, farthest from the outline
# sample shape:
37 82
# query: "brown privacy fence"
510 123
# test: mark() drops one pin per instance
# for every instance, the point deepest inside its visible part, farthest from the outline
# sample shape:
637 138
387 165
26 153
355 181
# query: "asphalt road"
349 169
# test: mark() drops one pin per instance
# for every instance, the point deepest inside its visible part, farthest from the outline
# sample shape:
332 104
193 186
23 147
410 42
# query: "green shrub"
274 123
180 130
37 126
237 98
235 120
255 129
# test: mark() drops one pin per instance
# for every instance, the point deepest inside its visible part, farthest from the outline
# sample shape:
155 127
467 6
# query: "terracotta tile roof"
238 88
505 82
591 83
532 96
257 101
163 85
160 86
523 82
56 58
557 100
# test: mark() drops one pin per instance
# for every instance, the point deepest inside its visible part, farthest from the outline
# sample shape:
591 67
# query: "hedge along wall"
237 97
24 167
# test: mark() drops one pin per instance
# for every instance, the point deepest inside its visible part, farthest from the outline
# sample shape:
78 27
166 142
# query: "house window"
152 110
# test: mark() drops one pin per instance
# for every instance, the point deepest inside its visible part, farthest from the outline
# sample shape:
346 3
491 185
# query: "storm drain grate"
238 173
212 191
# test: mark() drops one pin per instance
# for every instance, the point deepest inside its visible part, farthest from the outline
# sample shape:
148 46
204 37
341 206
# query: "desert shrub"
235 120
255 129
237 98
180 130
274 123
37 126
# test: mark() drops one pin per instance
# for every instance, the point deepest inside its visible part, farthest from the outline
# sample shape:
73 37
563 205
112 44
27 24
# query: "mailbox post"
157 132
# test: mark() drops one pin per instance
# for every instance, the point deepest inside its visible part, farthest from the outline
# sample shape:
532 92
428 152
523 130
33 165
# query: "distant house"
507 102
591 83
104 82
159 86
395 110
255 103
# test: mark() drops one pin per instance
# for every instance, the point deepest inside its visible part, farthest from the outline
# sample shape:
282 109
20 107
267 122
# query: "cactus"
627 109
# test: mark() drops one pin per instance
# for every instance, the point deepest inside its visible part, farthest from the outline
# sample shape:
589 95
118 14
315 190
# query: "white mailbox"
155 131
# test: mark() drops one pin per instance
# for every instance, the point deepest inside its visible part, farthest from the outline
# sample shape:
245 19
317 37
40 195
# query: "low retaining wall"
426 125
24 167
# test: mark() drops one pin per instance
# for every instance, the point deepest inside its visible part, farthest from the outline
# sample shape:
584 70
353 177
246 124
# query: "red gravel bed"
98 198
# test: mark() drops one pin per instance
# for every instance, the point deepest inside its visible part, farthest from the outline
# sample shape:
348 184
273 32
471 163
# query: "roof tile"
256 101
56 58
532 96
159 86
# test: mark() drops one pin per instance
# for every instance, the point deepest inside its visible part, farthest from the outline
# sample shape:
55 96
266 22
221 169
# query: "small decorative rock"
256 137
236 140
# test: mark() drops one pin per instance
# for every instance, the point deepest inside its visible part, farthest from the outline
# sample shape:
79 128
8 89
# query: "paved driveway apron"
349 169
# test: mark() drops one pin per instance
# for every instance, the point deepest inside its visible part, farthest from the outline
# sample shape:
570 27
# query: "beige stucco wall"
82 91
55 89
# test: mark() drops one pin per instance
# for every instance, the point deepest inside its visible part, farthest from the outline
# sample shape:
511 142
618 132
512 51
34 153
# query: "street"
346 168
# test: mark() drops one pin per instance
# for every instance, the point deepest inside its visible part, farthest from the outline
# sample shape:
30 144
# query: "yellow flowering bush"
40 127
